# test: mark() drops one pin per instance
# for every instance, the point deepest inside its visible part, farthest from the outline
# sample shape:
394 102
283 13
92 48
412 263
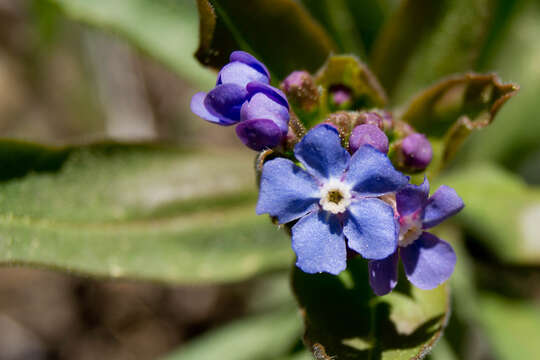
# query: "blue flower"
428 261
243 95
335 197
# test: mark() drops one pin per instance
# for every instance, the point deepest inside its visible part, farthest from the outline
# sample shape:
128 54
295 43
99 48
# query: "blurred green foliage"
171 215
137 211
165 29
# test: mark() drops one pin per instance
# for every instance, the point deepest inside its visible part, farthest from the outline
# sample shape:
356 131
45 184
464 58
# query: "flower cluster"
360 202
243 96
336 187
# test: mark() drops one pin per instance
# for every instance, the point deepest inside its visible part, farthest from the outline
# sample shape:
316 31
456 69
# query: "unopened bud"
368 134
402 129
340 96
342 121
413 153
301 90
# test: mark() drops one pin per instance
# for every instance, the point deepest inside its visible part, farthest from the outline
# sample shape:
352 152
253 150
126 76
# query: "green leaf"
400 36
350 71
345 320
267 336
369 17
455 107
336 17
449 41
136 211
164 29
281 33
512 326
501 211
353 24
475 96
516 134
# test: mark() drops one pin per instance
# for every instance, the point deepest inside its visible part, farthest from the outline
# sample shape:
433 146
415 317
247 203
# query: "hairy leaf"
163 29
281 33
456 106
345 320
136 211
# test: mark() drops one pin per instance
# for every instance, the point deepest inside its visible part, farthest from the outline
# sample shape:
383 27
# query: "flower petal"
286 191
428 262
320 151
412 198
371 229
250 60
239 74
383 274
273 93
318 242
225 101
372 173
444 203
198 108
261 106
259 134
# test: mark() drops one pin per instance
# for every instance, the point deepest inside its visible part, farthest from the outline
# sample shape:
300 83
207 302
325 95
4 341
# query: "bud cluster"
409 151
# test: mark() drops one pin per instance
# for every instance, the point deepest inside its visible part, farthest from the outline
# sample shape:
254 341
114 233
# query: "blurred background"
64 82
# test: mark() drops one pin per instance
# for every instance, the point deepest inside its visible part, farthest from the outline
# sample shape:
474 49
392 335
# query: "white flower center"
410 229
335 196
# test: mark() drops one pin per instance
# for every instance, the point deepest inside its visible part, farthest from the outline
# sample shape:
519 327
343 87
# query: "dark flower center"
335 196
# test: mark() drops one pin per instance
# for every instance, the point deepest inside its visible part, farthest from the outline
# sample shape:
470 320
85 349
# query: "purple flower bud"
222 104
243 95
368 134
301 90
264 117
415 152
340 95
248 59
296 80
